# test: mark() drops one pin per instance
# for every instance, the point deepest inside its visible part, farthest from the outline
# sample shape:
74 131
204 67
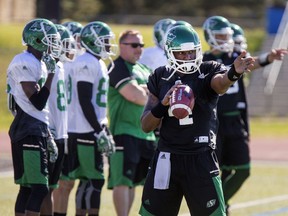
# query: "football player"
154 56
29 78
75 29
185 163
232 142
240 42
58 116
61 194
89 136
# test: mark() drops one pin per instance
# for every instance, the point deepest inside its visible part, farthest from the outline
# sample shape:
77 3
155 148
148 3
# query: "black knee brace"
88 194
93 193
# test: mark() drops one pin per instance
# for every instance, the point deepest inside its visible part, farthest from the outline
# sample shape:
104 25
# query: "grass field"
265 193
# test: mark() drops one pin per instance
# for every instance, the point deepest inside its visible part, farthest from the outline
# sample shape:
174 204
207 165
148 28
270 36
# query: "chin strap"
175 70
112 65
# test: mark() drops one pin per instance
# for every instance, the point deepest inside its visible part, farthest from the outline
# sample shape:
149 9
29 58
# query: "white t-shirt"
153 57
58 114
25 67
87 68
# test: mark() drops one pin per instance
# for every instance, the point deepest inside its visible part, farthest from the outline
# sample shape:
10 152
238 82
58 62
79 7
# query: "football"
182 101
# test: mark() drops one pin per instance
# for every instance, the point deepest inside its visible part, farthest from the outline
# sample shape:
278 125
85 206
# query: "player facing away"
154 57
29 78
185 163
226 43
89 136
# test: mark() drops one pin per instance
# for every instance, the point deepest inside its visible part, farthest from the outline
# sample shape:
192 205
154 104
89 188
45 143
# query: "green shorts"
30 161
85 161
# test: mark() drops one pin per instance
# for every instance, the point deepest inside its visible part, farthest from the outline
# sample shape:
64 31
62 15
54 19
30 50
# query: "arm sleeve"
85 95
39 99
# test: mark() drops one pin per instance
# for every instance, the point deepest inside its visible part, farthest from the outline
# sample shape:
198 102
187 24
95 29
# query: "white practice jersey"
153 57
87 68
58 114
25 67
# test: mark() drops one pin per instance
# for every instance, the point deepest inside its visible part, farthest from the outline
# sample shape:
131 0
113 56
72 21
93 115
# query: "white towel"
163 171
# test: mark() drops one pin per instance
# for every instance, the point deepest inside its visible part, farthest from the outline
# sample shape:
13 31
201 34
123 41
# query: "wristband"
233 75
159 110
263 59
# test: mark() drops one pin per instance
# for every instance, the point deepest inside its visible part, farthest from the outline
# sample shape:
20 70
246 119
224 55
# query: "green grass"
266 181
266 127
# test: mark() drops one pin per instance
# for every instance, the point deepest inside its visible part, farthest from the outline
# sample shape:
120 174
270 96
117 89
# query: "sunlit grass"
267 180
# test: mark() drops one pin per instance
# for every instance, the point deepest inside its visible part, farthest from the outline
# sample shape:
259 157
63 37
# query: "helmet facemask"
218 44
53 43
183 39
218 34
187 66
103 46
69 50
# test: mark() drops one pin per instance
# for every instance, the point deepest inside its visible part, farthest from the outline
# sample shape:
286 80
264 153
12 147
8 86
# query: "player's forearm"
154 111
149 122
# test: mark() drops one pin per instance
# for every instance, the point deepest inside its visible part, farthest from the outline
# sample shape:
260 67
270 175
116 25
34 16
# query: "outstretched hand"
277 54
243 64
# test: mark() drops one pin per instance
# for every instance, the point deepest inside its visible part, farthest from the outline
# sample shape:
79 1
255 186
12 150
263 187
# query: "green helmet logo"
41 34
98 39
160 29
183 38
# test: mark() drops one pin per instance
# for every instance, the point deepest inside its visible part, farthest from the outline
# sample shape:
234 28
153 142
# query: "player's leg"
236 158
30 168
61 197
202 186
89 170
122 169
123 198
93 195
62 193
161 201
81 208
234 182
54 170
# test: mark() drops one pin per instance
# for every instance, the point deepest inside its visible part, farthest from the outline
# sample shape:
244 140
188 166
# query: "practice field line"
258 202
253 203
274 212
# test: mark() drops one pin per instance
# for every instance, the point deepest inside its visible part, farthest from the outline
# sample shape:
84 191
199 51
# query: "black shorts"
194 176
55 169
65 166
233 143
129 164
85 161
30 161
